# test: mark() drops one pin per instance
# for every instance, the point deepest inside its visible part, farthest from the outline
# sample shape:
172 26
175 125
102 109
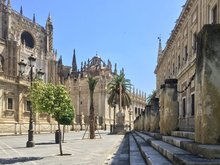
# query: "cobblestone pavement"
76 150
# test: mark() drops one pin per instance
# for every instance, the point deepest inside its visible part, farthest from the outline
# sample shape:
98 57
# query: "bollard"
57 137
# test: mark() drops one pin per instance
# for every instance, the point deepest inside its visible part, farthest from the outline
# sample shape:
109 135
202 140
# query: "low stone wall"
148 120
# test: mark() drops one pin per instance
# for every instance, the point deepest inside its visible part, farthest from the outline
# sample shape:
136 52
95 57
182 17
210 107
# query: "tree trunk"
60 144
63 133
91 126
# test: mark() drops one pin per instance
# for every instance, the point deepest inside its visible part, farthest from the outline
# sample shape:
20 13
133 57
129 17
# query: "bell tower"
2 18
49 30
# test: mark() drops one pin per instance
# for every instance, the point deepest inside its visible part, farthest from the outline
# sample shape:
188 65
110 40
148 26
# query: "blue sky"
124 31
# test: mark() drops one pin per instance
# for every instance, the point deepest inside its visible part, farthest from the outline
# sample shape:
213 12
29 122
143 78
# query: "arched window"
27 38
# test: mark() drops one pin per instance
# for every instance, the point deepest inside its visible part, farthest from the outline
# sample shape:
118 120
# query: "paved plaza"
78 151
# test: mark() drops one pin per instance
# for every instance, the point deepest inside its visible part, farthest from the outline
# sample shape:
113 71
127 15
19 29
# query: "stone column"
170 113
1 102
155 118
142 120
147 118
20 108
139 123
161 109
207 112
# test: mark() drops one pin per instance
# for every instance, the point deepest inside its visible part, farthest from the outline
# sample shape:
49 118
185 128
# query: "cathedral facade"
77 83
22 38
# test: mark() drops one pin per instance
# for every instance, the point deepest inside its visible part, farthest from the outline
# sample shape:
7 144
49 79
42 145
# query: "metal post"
30 142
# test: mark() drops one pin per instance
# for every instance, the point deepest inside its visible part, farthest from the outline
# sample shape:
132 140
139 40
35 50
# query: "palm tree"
151 96
92 83
118 92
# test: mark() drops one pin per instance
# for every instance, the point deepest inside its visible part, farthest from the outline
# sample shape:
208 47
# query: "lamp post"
22 65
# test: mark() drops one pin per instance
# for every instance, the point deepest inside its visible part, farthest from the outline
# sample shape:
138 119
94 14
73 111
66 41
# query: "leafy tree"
119 84
53 100
66 120
92 83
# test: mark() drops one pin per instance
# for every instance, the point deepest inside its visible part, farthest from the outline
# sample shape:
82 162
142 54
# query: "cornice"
179 22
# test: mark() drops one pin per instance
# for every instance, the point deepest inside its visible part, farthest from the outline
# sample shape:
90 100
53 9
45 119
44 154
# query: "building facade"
77 83
21 37
177 60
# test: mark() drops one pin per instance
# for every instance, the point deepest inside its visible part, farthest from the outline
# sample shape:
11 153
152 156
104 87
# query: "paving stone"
13 149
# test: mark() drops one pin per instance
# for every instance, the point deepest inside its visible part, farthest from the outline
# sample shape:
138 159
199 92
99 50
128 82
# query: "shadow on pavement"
17 160
45 143
121 156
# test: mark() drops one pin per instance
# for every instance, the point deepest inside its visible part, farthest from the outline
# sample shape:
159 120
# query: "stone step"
135 154
152 157
177 155
176 141
208 151
144 136
155 135
121 157
184 134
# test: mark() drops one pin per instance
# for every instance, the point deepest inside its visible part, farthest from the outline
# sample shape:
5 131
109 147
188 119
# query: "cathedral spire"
49 20
115 71
159 49
60 61
9 4
74 65
49 29
60 69
21 10
160 46
33 18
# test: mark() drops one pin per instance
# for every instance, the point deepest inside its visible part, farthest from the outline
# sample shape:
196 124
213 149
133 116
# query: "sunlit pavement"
75 150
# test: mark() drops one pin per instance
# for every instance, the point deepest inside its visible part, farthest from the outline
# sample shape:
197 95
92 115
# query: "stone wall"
154 115
148 120
207 120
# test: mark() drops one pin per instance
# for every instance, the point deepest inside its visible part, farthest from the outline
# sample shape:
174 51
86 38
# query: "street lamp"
40 74
22 65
